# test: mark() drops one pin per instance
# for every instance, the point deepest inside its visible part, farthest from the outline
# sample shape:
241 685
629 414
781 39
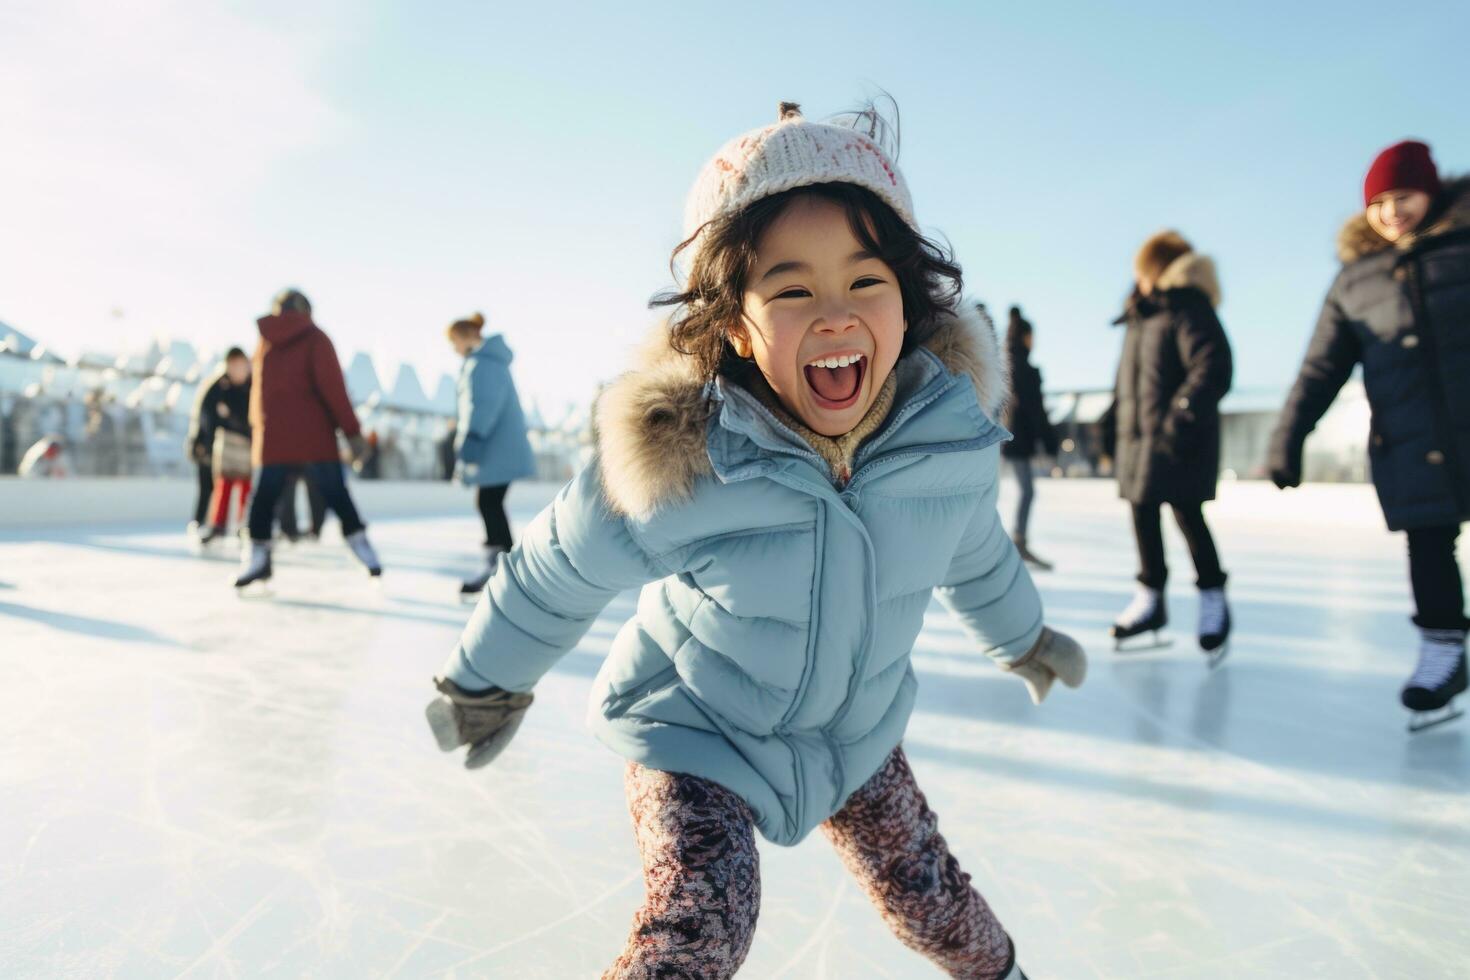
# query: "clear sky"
406 164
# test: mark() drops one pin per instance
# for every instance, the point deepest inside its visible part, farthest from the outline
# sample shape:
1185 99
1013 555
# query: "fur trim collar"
1357 239
651 423
1191 269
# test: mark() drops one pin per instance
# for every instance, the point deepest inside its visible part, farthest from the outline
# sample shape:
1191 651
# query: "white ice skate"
1438 679
471 588
255 571
358 542
1214 625
1147 613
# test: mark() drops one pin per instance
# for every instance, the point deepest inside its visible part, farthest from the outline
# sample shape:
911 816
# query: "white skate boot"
1214 625
255 569
1147 613
1437 680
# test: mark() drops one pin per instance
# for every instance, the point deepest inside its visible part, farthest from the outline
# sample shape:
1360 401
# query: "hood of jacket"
280 329
1358 240
1190 270
652 424
493 348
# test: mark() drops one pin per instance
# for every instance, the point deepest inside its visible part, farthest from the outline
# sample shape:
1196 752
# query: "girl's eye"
794 292
867 281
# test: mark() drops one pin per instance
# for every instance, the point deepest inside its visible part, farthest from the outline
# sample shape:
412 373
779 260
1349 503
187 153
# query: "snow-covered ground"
195 785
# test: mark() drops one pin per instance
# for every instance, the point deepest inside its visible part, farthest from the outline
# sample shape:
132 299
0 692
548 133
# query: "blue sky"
407 164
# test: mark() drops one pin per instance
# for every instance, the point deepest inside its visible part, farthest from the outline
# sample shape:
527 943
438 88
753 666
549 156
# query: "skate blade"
1147 646
255 590
1423 720
1215 657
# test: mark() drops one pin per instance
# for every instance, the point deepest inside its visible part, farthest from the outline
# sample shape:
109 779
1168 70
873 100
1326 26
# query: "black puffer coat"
1401 310
221 404
1025 412
1176 366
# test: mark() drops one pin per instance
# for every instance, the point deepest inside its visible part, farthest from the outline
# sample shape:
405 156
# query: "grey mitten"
484 720
1055 655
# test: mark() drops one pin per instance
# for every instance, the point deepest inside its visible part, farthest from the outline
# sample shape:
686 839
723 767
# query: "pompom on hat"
1405 166
787 154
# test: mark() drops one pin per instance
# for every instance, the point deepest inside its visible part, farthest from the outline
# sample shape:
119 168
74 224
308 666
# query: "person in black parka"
1400 307
1175 368
1031 431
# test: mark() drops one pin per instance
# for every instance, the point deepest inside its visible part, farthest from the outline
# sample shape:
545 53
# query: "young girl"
805 454
1401 307
1175 368
490 444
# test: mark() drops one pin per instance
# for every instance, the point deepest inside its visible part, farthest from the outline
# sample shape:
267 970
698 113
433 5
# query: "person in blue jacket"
490 445
806 453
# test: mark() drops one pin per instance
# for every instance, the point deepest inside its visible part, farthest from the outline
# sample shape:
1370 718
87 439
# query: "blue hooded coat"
779 604
491 433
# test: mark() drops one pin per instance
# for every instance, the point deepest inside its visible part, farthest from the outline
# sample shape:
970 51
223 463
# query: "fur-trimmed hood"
1357 239
1192 269
652 423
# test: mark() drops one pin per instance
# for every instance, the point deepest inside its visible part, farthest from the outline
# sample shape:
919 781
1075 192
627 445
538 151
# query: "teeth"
837 362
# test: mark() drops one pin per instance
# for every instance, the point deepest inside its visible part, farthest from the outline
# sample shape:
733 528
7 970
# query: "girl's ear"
740 340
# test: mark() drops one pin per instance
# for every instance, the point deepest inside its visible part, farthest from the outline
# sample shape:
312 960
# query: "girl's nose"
836 320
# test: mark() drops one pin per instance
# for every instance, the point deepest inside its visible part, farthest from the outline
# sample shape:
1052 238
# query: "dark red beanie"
1405 166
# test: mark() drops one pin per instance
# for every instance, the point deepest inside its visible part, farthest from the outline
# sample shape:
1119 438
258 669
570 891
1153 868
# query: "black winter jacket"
1402 310
1025 412
1175 368
220 404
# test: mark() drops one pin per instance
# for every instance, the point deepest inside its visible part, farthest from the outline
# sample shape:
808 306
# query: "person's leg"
316 505
286 505
333 488
243 483
204 474
1434 573
219 506
1148 532
701 875
491 501
1191 521
265 493
1027 483
889 840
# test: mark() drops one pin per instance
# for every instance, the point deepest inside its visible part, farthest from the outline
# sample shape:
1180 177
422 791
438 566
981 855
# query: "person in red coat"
298 404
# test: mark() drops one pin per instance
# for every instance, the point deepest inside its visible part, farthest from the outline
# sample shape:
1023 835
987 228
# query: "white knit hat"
792 153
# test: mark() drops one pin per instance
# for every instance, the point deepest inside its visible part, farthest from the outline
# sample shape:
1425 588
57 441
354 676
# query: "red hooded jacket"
299 399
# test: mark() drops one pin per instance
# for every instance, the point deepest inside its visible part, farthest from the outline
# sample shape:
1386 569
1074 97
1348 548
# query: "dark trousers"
270 483
205 473
1153 570
491 501
1026 480
286 509
1439 590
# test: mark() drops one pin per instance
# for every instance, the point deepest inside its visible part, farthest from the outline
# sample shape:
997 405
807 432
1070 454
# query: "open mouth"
836 381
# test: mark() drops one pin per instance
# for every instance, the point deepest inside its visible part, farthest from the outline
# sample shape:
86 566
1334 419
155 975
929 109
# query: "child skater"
1401 308
806 453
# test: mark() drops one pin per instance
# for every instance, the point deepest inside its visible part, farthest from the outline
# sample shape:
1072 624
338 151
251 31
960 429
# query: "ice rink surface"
199 786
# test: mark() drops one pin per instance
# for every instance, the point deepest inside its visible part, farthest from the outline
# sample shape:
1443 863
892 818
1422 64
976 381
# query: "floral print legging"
702 876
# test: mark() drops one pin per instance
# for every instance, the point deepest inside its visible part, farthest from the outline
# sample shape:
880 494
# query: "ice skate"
1030 559
472 587
255 570
360 546
1214 625
210 535
1147 613
1437 680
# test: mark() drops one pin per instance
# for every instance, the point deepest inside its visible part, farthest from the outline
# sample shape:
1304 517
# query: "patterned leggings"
702 876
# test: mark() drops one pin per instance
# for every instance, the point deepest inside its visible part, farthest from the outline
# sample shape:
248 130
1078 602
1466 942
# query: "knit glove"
484 720
1055 655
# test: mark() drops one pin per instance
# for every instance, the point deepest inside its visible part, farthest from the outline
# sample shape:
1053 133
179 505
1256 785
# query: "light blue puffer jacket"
492 429
770 653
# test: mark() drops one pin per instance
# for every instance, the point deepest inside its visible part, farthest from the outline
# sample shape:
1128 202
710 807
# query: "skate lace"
1211 612
1437 661
1145 601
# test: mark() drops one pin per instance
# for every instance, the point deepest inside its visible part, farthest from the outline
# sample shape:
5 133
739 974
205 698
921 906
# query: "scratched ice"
198 786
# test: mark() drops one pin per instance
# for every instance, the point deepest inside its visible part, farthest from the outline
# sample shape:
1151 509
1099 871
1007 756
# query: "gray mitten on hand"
484 720
1055 655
